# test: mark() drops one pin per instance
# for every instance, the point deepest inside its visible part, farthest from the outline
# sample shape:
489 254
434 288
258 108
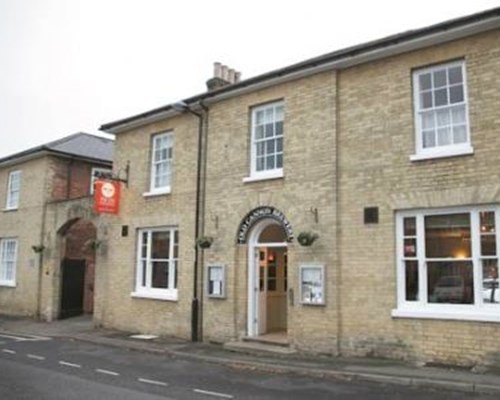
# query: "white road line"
23 337
8 351
35 357
215 394
151 382
107 372
68 364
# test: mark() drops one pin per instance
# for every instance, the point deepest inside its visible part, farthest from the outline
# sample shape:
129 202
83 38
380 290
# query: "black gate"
73 279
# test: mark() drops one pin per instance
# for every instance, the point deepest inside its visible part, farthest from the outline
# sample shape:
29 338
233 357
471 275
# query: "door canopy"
258 214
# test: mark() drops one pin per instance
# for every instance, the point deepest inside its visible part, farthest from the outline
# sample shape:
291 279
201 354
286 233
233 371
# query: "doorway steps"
261 345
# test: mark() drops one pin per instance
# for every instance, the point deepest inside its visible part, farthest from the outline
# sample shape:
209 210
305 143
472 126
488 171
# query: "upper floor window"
13 190
157 259
267 141
8 259
441 116
448 263
161 163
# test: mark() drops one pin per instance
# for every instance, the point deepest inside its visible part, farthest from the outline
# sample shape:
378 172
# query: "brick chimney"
223 76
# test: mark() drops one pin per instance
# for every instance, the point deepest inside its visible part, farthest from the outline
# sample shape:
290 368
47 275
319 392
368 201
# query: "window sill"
158 192
443 153
463 313
10 209
8 284
277 174
155 296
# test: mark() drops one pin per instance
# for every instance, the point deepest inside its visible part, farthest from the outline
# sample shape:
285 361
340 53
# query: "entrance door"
73 278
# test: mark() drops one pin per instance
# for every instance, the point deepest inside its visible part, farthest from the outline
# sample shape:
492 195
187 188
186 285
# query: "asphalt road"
37 368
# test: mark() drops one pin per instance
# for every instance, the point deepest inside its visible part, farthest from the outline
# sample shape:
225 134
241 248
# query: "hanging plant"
307 238
39 248
204 242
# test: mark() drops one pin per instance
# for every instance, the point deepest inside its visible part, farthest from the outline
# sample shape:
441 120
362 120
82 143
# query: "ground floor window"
8 260
157 262
448 262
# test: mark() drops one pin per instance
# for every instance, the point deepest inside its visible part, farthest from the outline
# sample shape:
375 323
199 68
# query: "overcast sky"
72 65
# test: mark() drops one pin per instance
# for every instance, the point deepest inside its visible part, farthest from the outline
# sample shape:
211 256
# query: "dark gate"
73 278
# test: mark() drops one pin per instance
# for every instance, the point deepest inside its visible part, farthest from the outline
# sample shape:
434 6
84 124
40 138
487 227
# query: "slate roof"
81 145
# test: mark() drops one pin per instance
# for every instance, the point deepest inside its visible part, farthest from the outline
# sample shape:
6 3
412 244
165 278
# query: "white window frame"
273 173
13 193
439 150
146 291
222 293
93 177
317 267
154 190
421 308
4 280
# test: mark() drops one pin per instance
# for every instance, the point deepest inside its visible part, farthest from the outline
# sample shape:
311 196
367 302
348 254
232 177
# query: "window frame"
273 173
9 205
170 293
422 308
153 191
437 151
12 281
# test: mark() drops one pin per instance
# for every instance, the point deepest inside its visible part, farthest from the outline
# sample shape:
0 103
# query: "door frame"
253 276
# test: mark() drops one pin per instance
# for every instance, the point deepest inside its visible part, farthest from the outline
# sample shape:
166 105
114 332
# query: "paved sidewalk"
367 369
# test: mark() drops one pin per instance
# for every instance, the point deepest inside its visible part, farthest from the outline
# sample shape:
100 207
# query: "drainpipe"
195 304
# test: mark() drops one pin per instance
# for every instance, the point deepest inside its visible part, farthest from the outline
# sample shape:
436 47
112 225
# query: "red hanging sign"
106 196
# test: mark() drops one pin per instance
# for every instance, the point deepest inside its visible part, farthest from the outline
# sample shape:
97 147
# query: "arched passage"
78 245
267 276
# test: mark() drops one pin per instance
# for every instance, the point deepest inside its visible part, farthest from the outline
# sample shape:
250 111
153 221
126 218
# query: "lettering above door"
259 214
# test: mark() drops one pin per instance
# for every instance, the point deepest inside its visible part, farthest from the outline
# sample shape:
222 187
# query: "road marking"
223 395
9 351
68 364
23 337
35 357
107 372
151 382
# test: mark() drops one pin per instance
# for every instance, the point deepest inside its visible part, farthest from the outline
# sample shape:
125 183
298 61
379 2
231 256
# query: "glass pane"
448 236
491 291
279 113
439 78
259 131
411 276
160 246
159 274
429 139
270 162
143 272
261 148
259 117
450 282
279 128
270 146
269 115
410 248
487 221
174 271
443 118
444 136
279 145
488 245
311 283
410 227
426 100
456 94
455 75
176 244
459 134
260 163
279 161
428 120
269 130
458 115
440 97
424 81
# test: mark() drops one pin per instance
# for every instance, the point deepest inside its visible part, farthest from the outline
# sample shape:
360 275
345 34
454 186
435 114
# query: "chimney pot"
237 76
224 73
217 69
230 75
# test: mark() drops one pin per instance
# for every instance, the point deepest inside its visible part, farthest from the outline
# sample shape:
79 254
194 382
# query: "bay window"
448 263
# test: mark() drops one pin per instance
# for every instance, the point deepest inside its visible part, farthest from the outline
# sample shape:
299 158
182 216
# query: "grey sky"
71 65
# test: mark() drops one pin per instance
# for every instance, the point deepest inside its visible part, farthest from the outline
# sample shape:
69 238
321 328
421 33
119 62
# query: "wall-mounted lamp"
314 211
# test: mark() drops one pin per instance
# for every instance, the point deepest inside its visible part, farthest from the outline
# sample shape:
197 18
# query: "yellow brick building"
343 205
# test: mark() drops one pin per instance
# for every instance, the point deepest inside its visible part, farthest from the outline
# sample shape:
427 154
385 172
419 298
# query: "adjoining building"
48 231
346 205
